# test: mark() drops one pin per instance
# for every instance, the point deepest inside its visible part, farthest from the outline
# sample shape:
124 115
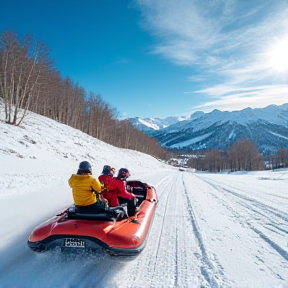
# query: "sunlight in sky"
278 55
152 52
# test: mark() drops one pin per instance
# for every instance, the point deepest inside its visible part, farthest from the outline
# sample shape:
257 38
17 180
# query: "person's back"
110 186
106 178
81 188
84 186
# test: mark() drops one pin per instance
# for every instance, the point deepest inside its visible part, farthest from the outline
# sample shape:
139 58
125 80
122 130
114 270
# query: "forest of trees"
243 155
30 81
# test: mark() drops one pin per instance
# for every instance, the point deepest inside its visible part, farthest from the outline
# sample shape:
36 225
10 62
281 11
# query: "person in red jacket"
116 187
122 176
106 178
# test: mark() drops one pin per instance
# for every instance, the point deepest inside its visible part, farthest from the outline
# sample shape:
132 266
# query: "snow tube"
119 237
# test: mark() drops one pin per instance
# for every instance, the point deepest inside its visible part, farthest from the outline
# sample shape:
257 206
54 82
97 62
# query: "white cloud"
180 27
229 98
227 37
226 43
192 30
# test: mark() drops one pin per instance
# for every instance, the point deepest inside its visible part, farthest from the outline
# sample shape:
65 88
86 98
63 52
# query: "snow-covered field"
209 230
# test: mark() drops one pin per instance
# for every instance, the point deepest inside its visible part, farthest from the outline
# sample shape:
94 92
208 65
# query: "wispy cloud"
225 42
182 28
236 98
191 32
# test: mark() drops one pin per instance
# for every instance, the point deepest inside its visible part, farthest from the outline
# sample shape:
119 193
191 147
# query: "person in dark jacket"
84 186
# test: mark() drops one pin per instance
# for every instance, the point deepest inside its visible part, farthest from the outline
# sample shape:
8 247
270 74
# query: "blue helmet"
84 167
106 170
123 173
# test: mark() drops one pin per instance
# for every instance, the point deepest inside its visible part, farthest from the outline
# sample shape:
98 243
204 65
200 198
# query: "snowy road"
209 231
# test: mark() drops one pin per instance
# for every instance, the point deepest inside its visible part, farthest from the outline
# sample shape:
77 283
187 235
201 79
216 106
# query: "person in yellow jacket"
84 186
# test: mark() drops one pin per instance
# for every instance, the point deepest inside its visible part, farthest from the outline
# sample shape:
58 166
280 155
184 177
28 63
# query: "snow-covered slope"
42 139
209 230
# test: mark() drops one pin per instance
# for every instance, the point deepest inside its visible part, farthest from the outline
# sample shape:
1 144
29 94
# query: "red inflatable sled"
118 236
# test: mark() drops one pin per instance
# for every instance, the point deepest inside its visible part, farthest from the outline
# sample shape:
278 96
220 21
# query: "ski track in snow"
269 217
188 245
207 268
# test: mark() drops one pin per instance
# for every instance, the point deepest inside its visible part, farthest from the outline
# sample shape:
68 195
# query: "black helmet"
84 167
123 173
106 170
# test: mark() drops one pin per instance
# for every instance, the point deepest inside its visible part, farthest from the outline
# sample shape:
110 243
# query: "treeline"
30 81
243 155
277 161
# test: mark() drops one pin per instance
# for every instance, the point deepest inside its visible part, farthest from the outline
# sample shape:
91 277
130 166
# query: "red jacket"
118 190
108 181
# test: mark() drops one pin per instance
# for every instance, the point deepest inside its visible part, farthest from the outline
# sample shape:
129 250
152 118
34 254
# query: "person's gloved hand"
103 187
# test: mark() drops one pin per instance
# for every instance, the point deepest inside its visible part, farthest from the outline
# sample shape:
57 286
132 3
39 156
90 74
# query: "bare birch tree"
244 156
281 158
215 160
22 65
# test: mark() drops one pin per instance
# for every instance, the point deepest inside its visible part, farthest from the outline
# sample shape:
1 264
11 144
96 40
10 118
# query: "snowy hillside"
209 230
43 139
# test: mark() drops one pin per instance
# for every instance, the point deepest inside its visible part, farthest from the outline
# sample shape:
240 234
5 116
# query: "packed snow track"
209 231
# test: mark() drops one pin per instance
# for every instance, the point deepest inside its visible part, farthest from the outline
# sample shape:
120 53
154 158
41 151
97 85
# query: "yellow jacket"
82 189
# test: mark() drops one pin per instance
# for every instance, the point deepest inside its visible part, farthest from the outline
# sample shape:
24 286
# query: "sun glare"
278 56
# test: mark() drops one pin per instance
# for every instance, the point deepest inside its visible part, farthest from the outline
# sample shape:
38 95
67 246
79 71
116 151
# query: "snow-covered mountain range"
266 127
149 125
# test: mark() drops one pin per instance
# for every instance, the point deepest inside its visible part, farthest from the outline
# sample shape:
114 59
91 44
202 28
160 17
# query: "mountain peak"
196 115
266 127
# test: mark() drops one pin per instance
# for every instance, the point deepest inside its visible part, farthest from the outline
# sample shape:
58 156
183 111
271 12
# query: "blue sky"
160 58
